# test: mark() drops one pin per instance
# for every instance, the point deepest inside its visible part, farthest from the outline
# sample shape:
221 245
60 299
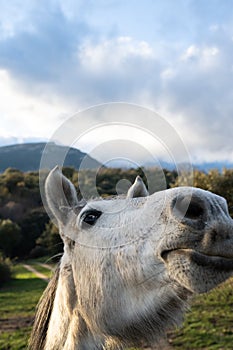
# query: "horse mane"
43 313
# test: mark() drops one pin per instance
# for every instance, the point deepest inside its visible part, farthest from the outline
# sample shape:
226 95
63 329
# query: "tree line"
25 228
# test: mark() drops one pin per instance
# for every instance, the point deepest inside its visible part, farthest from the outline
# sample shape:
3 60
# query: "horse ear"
138 189
60 195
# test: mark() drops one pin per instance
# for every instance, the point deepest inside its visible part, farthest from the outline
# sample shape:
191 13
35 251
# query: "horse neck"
67 330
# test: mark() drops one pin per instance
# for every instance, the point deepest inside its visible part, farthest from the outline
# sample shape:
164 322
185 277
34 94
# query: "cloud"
56 57
24 115
111 55
117 69
200 90
43 46
202 54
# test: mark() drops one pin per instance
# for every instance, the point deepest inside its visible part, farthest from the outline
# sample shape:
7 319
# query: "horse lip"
217 262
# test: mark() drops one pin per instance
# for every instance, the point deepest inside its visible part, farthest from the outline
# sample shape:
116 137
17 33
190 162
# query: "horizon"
161 163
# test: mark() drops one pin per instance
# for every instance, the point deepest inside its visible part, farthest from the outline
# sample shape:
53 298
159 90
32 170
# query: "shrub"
37 252
5 270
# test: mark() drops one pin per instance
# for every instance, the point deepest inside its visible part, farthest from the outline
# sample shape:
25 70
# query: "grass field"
208 325
17 306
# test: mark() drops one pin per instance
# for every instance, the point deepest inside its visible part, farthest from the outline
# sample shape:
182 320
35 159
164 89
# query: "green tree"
11 178
10 237
32 225
51 240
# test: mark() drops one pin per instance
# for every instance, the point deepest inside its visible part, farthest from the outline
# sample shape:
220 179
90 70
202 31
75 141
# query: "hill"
27 156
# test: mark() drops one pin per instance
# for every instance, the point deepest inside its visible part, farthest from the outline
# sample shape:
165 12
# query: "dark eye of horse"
90 217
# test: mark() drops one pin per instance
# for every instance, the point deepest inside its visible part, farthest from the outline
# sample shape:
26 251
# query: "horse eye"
90 217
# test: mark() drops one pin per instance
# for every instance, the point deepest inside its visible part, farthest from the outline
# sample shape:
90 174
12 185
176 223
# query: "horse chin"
197 271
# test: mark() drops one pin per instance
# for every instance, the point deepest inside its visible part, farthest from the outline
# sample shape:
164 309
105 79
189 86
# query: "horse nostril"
194 211
189 207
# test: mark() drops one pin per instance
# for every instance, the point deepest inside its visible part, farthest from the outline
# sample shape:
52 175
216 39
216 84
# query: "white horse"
130 264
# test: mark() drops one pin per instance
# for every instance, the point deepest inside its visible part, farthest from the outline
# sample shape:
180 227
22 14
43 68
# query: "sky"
174 57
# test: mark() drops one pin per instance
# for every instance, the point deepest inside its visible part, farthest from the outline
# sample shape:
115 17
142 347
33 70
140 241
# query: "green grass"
43 270
209 324
16 340
17 303
18 298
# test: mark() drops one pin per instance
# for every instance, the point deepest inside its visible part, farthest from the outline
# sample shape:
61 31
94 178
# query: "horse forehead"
115 205
162 198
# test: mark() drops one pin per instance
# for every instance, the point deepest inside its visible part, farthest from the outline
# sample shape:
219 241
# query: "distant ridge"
220 166
27 156
203 167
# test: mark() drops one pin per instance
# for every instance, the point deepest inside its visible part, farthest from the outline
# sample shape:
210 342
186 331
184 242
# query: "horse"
130 264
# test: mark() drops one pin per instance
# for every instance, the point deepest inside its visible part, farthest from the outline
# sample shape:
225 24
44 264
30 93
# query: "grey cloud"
42 53
48 55
203 95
